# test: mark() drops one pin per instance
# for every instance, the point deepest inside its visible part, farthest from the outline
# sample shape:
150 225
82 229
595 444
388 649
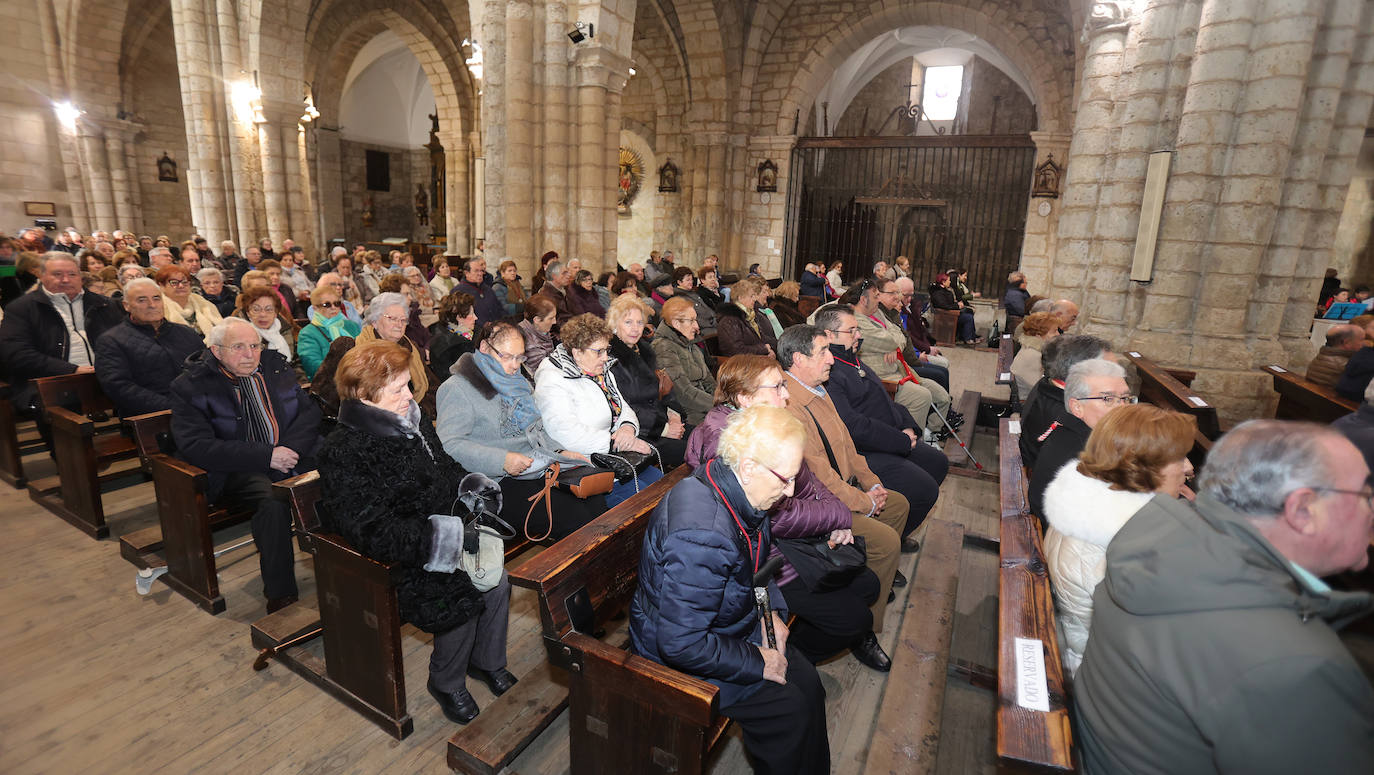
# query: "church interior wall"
636 235
155 99
992 103
30 156
393 210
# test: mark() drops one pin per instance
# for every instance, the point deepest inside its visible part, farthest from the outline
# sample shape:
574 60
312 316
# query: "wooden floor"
95 678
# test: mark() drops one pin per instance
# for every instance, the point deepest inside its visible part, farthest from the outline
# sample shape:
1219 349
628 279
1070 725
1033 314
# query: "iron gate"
943 202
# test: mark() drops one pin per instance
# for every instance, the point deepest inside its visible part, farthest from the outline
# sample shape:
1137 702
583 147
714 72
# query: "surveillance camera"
583 31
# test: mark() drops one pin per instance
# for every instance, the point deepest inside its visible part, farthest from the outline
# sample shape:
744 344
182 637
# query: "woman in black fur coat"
635 367
384 473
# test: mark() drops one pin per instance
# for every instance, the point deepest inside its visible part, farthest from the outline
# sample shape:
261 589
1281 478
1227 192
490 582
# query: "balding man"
1341 342
137 360
1213 645
1067 312
53 329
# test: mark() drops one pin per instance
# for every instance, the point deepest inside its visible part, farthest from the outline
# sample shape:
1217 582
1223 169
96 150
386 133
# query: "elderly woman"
180 305
453 335
508 289
694 607
661 418
416 331
1134 453
387 316
540 316
830 621
441 284
836 279
420 294
254 278
327 323
708 288
489 423
783 304
582 296
284 292
687 364
1036 330
813 283
262 307
740 327
581 404
397 497
216 291
942 297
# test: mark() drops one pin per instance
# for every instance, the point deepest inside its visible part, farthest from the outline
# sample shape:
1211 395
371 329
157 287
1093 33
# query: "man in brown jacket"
1341 342
804 352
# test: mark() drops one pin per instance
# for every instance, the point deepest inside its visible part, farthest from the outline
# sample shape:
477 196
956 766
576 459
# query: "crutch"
962 446
143 582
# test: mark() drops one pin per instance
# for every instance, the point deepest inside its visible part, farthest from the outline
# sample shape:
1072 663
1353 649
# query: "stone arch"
1036 59
699 34
90 65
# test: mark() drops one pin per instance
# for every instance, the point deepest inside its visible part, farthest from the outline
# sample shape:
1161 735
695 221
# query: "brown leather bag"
665 383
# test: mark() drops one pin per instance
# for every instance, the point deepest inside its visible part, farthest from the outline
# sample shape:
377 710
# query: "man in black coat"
137 360
238 413
1359 427
475 283
1359 370
52 330
1046 398
1093 389
884 432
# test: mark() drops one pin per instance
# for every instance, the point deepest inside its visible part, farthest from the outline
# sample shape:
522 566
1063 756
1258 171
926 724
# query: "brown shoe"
277 603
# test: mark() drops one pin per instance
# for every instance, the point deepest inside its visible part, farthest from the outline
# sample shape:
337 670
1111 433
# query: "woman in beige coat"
180 305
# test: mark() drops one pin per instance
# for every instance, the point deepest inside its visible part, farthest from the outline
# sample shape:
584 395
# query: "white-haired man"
1093 388
1214 645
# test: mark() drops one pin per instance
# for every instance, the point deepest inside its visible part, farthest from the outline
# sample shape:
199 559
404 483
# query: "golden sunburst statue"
629 179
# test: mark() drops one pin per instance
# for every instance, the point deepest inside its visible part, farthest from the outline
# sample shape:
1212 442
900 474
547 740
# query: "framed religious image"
1047 177
40 209
768 176
167 168
667 177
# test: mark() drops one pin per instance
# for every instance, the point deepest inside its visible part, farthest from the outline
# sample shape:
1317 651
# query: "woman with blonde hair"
1134 453
1036 330
740 328
662 419
783 304
180 305
327 323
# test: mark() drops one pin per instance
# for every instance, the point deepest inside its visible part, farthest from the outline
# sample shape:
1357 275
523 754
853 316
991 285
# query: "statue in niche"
421 205
369 215
1047 177
768 176
167 168
667 177
629 178
438 179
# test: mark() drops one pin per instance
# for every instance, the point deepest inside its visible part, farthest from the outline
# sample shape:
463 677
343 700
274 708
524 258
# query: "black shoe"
499 681
458 707
891 596
870 654
952 415
954 422
910 545
277 603
898 580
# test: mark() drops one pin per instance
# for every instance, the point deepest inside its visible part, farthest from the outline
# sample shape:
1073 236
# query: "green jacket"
1209 653
686 365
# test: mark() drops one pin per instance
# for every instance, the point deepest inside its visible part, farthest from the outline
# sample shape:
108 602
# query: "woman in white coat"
1134 453
582 407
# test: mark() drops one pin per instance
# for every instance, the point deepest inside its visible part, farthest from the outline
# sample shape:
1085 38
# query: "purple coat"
812 510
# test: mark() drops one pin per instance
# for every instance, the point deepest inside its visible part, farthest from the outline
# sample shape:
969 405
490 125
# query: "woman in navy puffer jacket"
694 608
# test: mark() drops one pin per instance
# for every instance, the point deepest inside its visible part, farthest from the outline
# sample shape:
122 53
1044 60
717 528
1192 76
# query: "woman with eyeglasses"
454 334
387 317
581 403
689 366
1135 453
694 608
828 621
662 419
489 423
327 323
219 293
261 306
180 305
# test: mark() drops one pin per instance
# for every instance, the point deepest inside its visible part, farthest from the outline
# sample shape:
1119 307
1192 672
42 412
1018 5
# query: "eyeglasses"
1112 399
684 321
599 352
329 305
1367 494
179 283
394 318
510 357
787 481
260 308
239 349
778 388
850 330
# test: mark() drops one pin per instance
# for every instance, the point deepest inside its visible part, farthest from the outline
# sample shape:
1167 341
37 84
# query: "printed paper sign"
1006 376
1134 355
1014 427
1031 689
1279 369
1197 401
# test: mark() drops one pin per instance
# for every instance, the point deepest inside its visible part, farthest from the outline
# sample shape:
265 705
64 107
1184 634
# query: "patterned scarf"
749 316
333 327
252 395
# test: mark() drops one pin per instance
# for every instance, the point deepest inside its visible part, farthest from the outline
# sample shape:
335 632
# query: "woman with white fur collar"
1134 453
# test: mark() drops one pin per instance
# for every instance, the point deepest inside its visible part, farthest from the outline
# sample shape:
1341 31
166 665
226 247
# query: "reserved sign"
1032 690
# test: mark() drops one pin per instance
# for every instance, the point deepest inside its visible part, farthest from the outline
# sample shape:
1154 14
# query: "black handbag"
626 465
823 568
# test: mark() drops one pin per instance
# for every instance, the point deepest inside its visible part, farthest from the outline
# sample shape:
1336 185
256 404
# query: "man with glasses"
238 413
884 350
1045 400
1214 645
1094 388
137 360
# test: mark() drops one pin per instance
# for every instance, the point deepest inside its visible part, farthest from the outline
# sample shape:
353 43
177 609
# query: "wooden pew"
15 442
1027 738
1004 358
1159 387
357 617
944 325
1301 399
85 444
627 714
906 736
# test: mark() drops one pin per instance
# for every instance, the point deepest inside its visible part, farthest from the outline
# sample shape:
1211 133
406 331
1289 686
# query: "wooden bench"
1004 359
906 736
944 325
627 714
89 448
1301 399
1027 738
356 616
15 441
1159 387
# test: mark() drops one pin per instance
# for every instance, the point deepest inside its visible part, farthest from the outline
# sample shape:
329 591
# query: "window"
942 88
378 171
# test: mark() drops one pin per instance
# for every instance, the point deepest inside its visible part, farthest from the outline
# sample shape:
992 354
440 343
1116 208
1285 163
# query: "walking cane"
962 446
761 603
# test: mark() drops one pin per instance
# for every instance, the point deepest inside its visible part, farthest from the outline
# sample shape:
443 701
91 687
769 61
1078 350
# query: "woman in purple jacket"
827 622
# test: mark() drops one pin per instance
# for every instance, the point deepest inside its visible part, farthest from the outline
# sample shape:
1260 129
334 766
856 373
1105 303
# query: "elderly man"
160 258
228 258
557 278
137 360
52 330
1341 342
238 413
883 271
1016 296
252 256
1046 399
190 261
909 316
884 432
488 307
1067 312
1092 389
882 351
1214 644
879 514
892 301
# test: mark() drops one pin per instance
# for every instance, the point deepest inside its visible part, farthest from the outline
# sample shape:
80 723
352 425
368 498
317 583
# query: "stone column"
716 183
494 140
457 184
83 217
554 169
120 183
518 170
1041 238
97 172
272 154
135 185
328 181
599 72
199 80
